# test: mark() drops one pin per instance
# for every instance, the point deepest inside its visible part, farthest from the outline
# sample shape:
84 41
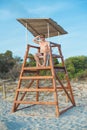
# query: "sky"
70 14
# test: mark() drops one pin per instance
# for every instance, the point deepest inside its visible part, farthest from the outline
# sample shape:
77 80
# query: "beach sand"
73 119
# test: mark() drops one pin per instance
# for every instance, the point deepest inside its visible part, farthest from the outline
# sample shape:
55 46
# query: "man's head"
42 36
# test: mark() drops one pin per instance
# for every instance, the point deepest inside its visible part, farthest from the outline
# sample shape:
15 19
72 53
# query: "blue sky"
70 14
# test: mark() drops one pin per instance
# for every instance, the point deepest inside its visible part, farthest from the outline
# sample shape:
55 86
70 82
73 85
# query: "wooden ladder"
37 77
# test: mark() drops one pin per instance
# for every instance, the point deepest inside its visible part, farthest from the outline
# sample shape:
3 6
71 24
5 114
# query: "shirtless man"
44 49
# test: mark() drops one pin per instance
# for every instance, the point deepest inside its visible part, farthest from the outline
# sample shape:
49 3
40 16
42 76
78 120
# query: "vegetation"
10 66
77 66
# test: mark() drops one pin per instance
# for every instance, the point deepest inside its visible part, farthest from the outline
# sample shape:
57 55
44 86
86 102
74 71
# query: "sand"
73 119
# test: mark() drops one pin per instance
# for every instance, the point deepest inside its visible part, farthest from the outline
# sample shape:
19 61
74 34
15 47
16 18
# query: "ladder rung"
59 88
36 90
56 56
36 77
37 68
59 67
35 102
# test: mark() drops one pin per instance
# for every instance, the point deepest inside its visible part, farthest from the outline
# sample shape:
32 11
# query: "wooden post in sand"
4 90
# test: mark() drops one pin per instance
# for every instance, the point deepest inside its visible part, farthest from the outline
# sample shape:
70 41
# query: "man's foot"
38 64
43 65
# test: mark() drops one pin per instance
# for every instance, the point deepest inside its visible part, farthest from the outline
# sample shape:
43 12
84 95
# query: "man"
44 49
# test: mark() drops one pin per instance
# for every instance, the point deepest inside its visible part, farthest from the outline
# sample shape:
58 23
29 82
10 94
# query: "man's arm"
36 39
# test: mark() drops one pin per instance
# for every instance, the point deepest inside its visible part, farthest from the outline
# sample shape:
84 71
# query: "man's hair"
42 35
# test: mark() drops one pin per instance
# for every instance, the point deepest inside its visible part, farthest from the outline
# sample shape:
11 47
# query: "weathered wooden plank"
35 102
36 77
36 90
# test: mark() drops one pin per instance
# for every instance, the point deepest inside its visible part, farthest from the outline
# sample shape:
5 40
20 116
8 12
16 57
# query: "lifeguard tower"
31 80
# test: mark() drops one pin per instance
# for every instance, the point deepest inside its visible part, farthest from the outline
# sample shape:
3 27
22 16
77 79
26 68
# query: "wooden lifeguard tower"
32 74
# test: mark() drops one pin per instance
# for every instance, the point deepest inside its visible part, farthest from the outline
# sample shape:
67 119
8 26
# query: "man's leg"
36 57
45 59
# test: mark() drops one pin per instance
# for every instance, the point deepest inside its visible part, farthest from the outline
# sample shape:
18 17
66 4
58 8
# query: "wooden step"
56 56
37 68
59 68
36 90
36 77
42 68
42 89
35 102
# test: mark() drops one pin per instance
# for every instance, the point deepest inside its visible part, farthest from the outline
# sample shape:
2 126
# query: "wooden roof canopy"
40 26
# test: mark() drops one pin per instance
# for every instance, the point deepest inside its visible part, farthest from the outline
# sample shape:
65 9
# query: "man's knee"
35 55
